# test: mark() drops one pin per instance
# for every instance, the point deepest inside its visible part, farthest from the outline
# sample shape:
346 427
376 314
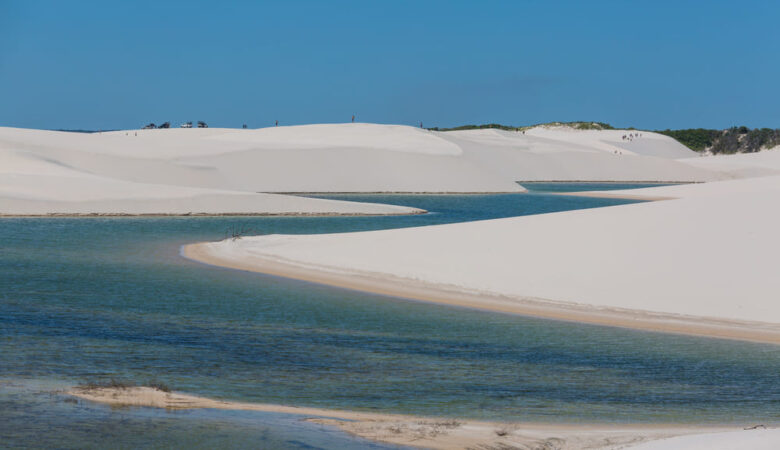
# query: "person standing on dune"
353 118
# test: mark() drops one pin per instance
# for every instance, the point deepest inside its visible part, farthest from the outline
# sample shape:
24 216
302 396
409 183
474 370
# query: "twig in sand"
236 233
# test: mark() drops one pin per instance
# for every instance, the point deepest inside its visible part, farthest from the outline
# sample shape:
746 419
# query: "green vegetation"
732 140
590 125
697 139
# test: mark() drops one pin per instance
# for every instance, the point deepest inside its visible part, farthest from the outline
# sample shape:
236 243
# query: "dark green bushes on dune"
731 140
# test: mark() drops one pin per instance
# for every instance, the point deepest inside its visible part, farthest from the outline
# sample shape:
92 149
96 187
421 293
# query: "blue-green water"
92 299
31 417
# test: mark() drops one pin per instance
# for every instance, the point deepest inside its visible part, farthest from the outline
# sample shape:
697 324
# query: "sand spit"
701 264
424 432
406 288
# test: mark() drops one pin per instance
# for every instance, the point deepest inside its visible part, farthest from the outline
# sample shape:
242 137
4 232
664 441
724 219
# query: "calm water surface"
91 299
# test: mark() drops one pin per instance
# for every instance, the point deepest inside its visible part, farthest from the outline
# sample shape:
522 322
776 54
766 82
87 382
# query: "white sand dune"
34 185
740 165
564 154
219 170
360 157
312 158
708 254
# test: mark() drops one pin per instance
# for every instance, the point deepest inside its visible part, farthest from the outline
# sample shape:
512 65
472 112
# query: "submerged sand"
424 432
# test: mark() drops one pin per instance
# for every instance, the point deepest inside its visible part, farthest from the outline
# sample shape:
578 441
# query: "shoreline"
413 290
265 214
607 194
305 193
659 182
417 431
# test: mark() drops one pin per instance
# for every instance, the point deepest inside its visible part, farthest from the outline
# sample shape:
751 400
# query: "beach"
662 265
405 288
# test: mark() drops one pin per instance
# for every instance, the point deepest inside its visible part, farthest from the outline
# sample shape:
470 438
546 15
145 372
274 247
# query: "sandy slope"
709 254
426 432
34 185
312 158
740 165
758 439
561 154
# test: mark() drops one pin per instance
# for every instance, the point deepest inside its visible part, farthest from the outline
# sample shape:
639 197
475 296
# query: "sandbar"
416 431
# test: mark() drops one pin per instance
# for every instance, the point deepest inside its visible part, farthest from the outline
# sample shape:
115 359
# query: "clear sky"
650 64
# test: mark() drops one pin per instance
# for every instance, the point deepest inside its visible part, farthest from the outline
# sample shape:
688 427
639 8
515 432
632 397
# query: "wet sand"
427 432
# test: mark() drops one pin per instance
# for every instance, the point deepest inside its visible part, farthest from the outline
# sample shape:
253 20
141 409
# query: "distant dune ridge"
217 171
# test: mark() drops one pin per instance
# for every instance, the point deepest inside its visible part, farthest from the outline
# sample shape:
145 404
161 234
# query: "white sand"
760 439
564 154
313 158
740 165
56 172
709 254
32 185
214 170
33 181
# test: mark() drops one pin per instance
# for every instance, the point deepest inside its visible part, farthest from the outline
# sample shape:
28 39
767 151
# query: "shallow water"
32 417
92 299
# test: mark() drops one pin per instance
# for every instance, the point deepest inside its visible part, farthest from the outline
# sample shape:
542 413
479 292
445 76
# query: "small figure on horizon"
353 118
277 123
421 124
244 127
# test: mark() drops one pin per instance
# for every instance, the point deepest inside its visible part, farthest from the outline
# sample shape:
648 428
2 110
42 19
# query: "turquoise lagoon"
94 299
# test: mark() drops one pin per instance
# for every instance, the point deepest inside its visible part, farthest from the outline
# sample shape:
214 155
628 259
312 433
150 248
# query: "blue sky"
649 64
